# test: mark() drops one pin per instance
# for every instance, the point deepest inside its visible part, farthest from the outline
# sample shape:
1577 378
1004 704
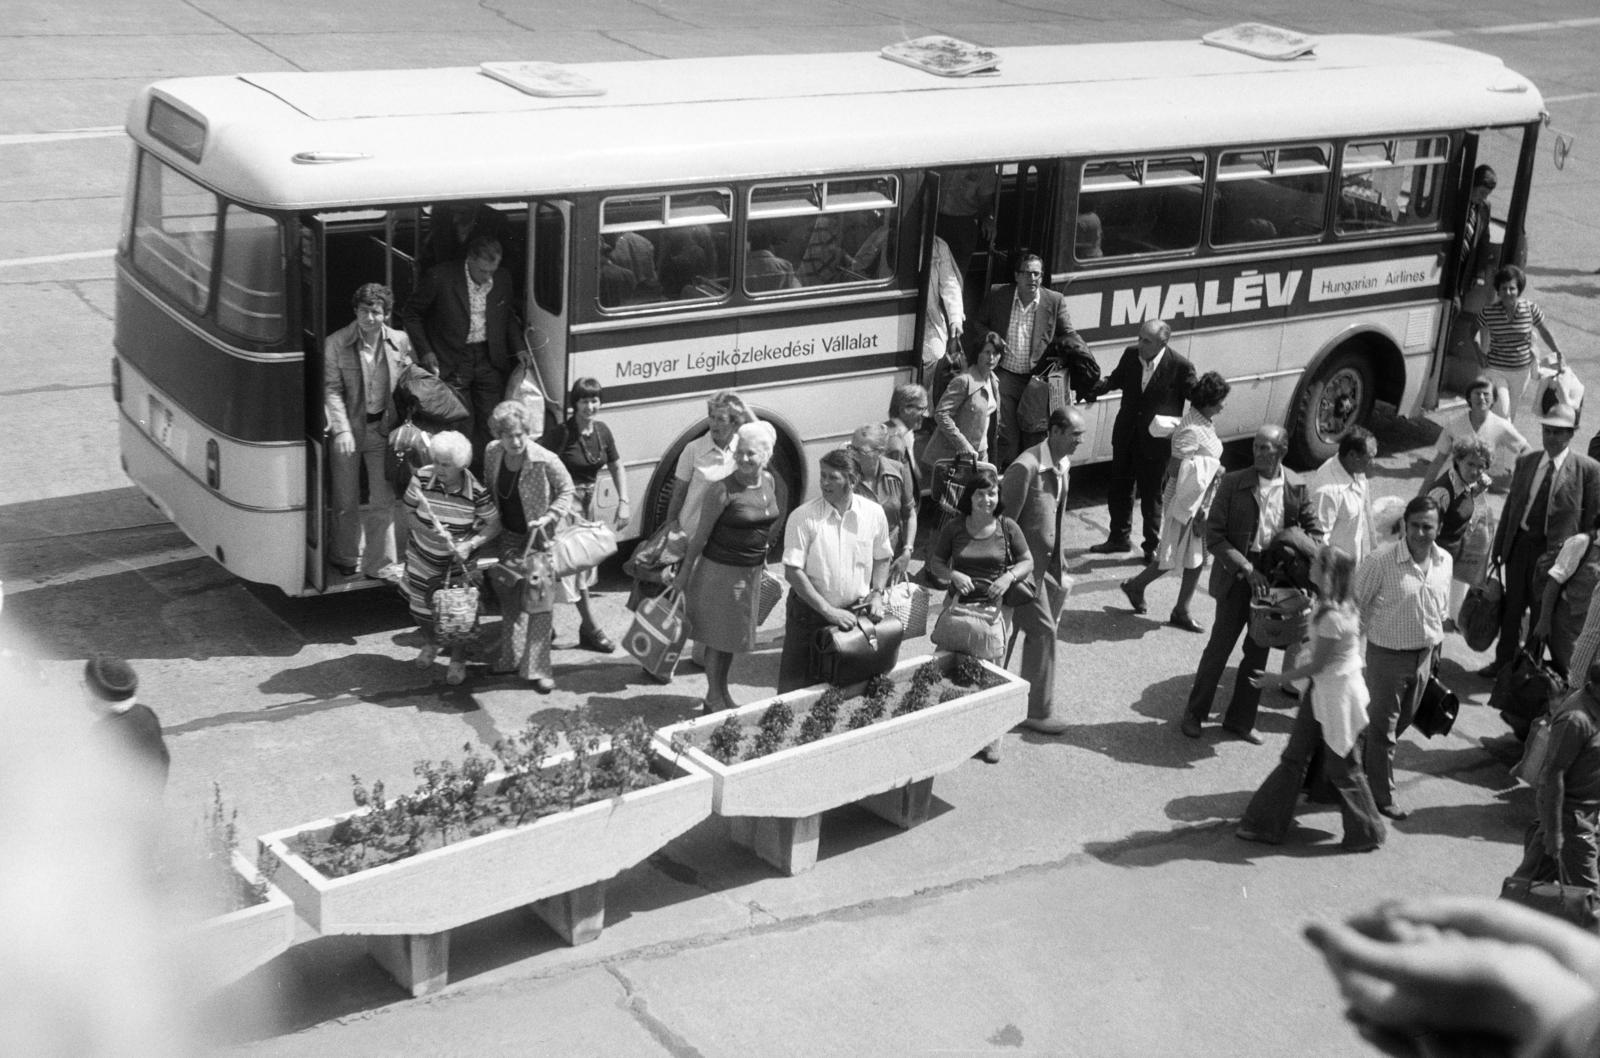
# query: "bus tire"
1336 399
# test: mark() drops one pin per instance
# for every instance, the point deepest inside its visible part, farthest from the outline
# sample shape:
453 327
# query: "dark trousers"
1133 472
962 235
1521 592
1233 617
1271 810
1395 681
1579 851
800 626
1008 434
481 386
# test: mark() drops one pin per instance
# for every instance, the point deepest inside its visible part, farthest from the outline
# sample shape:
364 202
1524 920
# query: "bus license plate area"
159 423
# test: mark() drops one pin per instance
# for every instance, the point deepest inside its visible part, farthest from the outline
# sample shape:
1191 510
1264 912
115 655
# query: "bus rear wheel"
1336 400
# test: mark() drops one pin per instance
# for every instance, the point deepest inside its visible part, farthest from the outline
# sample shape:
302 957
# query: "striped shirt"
1403 604
1511 333
462 511
1019 336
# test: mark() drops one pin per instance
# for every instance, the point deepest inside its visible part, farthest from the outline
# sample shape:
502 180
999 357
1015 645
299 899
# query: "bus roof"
422 135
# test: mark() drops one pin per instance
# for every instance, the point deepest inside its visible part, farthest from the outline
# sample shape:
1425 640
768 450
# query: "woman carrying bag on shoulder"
533 492
984 558
966 411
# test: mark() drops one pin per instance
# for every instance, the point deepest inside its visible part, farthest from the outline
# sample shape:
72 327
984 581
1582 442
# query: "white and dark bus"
1295 221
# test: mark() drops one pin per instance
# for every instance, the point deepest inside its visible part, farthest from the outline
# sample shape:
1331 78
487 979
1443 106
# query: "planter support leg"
419 962
788 844
578 916
904 806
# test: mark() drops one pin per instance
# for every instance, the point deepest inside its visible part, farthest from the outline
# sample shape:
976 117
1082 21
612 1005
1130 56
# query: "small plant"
448 795
626 764
575 776
725 740
950 694
874 704
919 695
969 672
775 723
523 755
219 830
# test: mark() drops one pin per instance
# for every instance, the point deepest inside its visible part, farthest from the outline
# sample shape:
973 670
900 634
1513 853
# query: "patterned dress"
462 512
1183 543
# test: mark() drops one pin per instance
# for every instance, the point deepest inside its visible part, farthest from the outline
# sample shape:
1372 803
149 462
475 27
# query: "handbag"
1525 688
655 555
950 478
423 395
1280 619
1477 540
909 603
1481 610
455 608
972 628
1534 753
870 648
1436 712
578 546
1021 592
771 593
1044 392
656 636
1576 904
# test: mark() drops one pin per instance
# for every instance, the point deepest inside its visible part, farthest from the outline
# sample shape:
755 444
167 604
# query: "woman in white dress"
1333 716
1480 422
1192 476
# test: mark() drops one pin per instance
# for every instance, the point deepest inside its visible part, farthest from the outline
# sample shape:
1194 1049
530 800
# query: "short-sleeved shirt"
984 560
1511 333
1497 432
836 549
583 456
1574 752
700 463
461 512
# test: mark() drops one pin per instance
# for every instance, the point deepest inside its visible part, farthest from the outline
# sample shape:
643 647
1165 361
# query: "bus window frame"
666 223
820 184
1077 181
202 314
1444 191
1273 152
221 277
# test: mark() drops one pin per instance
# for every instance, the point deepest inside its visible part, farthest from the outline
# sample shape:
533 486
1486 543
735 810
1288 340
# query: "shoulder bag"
1021 591
581 545
657 634
1525 688
972 628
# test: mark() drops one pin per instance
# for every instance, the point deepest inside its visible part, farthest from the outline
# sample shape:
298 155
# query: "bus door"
1025 215
339 252
548 282
927 230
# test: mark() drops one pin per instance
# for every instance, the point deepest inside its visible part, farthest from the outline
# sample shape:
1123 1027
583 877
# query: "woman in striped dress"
533 493
1508 325
444 496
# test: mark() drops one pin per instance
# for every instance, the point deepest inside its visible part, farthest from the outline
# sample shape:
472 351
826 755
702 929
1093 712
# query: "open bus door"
548 287
929 221
339 252
1026 215
1510 152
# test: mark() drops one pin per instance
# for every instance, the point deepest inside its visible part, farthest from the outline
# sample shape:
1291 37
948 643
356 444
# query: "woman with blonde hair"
450 515
1332 716
726 556
533 492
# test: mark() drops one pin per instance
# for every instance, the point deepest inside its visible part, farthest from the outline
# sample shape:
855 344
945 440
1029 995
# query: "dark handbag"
950 479
1481 611
869 649
426 397
1021 592
1436 713
1525 688
1556 896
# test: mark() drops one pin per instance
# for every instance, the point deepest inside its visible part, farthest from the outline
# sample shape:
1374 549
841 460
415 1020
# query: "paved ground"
1085 897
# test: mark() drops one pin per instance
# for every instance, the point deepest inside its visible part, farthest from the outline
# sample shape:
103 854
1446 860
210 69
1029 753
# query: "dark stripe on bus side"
663 328
253 401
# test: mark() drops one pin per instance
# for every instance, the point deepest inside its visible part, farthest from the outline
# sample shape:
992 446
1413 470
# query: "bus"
765 223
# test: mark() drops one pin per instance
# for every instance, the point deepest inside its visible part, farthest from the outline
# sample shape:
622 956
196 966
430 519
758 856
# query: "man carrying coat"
1154 380
1025 316
1251 507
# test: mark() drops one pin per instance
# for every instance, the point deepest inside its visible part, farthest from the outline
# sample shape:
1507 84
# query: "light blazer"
962 421
344 380
1574 500
437 317
1231 527
1165 395
544 486
994 315
1031 492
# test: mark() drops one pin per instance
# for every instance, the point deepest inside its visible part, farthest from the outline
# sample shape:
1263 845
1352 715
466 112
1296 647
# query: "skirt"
724 605
1181 546
424 575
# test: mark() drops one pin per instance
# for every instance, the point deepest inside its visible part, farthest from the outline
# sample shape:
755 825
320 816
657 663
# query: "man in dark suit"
1154 380
1554 494
1025 316
1250 508
1034 493
463 323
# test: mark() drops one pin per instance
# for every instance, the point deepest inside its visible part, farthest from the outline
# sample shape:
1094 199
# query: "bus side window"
1276 193
1391 184
1143 205
174 232
821 233
668 247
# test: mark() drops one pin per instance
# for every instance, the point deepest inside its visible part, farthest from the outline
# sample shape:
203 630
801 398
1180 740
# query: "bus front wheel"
1338 398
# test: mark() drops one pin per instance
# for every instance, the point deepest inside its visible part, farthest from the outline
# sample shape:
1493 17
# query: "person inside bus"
1024 318
452 225
451 515
764 269
690 264
635 255
1088 237
586 447
1475 251
463 323
966 211
361 363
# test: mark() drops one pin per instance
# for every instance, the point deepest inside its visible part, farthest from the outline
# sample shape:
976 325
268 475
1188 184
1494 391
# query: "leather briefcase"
869 649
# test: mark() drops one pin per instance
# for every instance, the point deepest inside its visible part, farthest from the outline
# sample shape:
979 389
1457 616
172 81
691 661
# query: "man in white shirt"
1403 593
836 556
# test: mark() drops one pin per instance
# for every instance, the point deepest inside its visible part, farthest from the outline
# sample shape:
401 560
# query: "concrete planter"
557 866
229 946
775 802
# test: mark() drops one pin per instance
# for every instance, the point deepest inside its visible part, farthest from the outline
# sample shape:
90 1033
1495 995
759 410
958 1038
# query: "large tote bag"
657 634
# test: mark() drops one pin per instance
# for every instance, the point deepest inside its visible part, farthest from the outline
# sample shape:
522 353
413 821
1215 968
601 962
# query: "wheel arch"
1375 348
